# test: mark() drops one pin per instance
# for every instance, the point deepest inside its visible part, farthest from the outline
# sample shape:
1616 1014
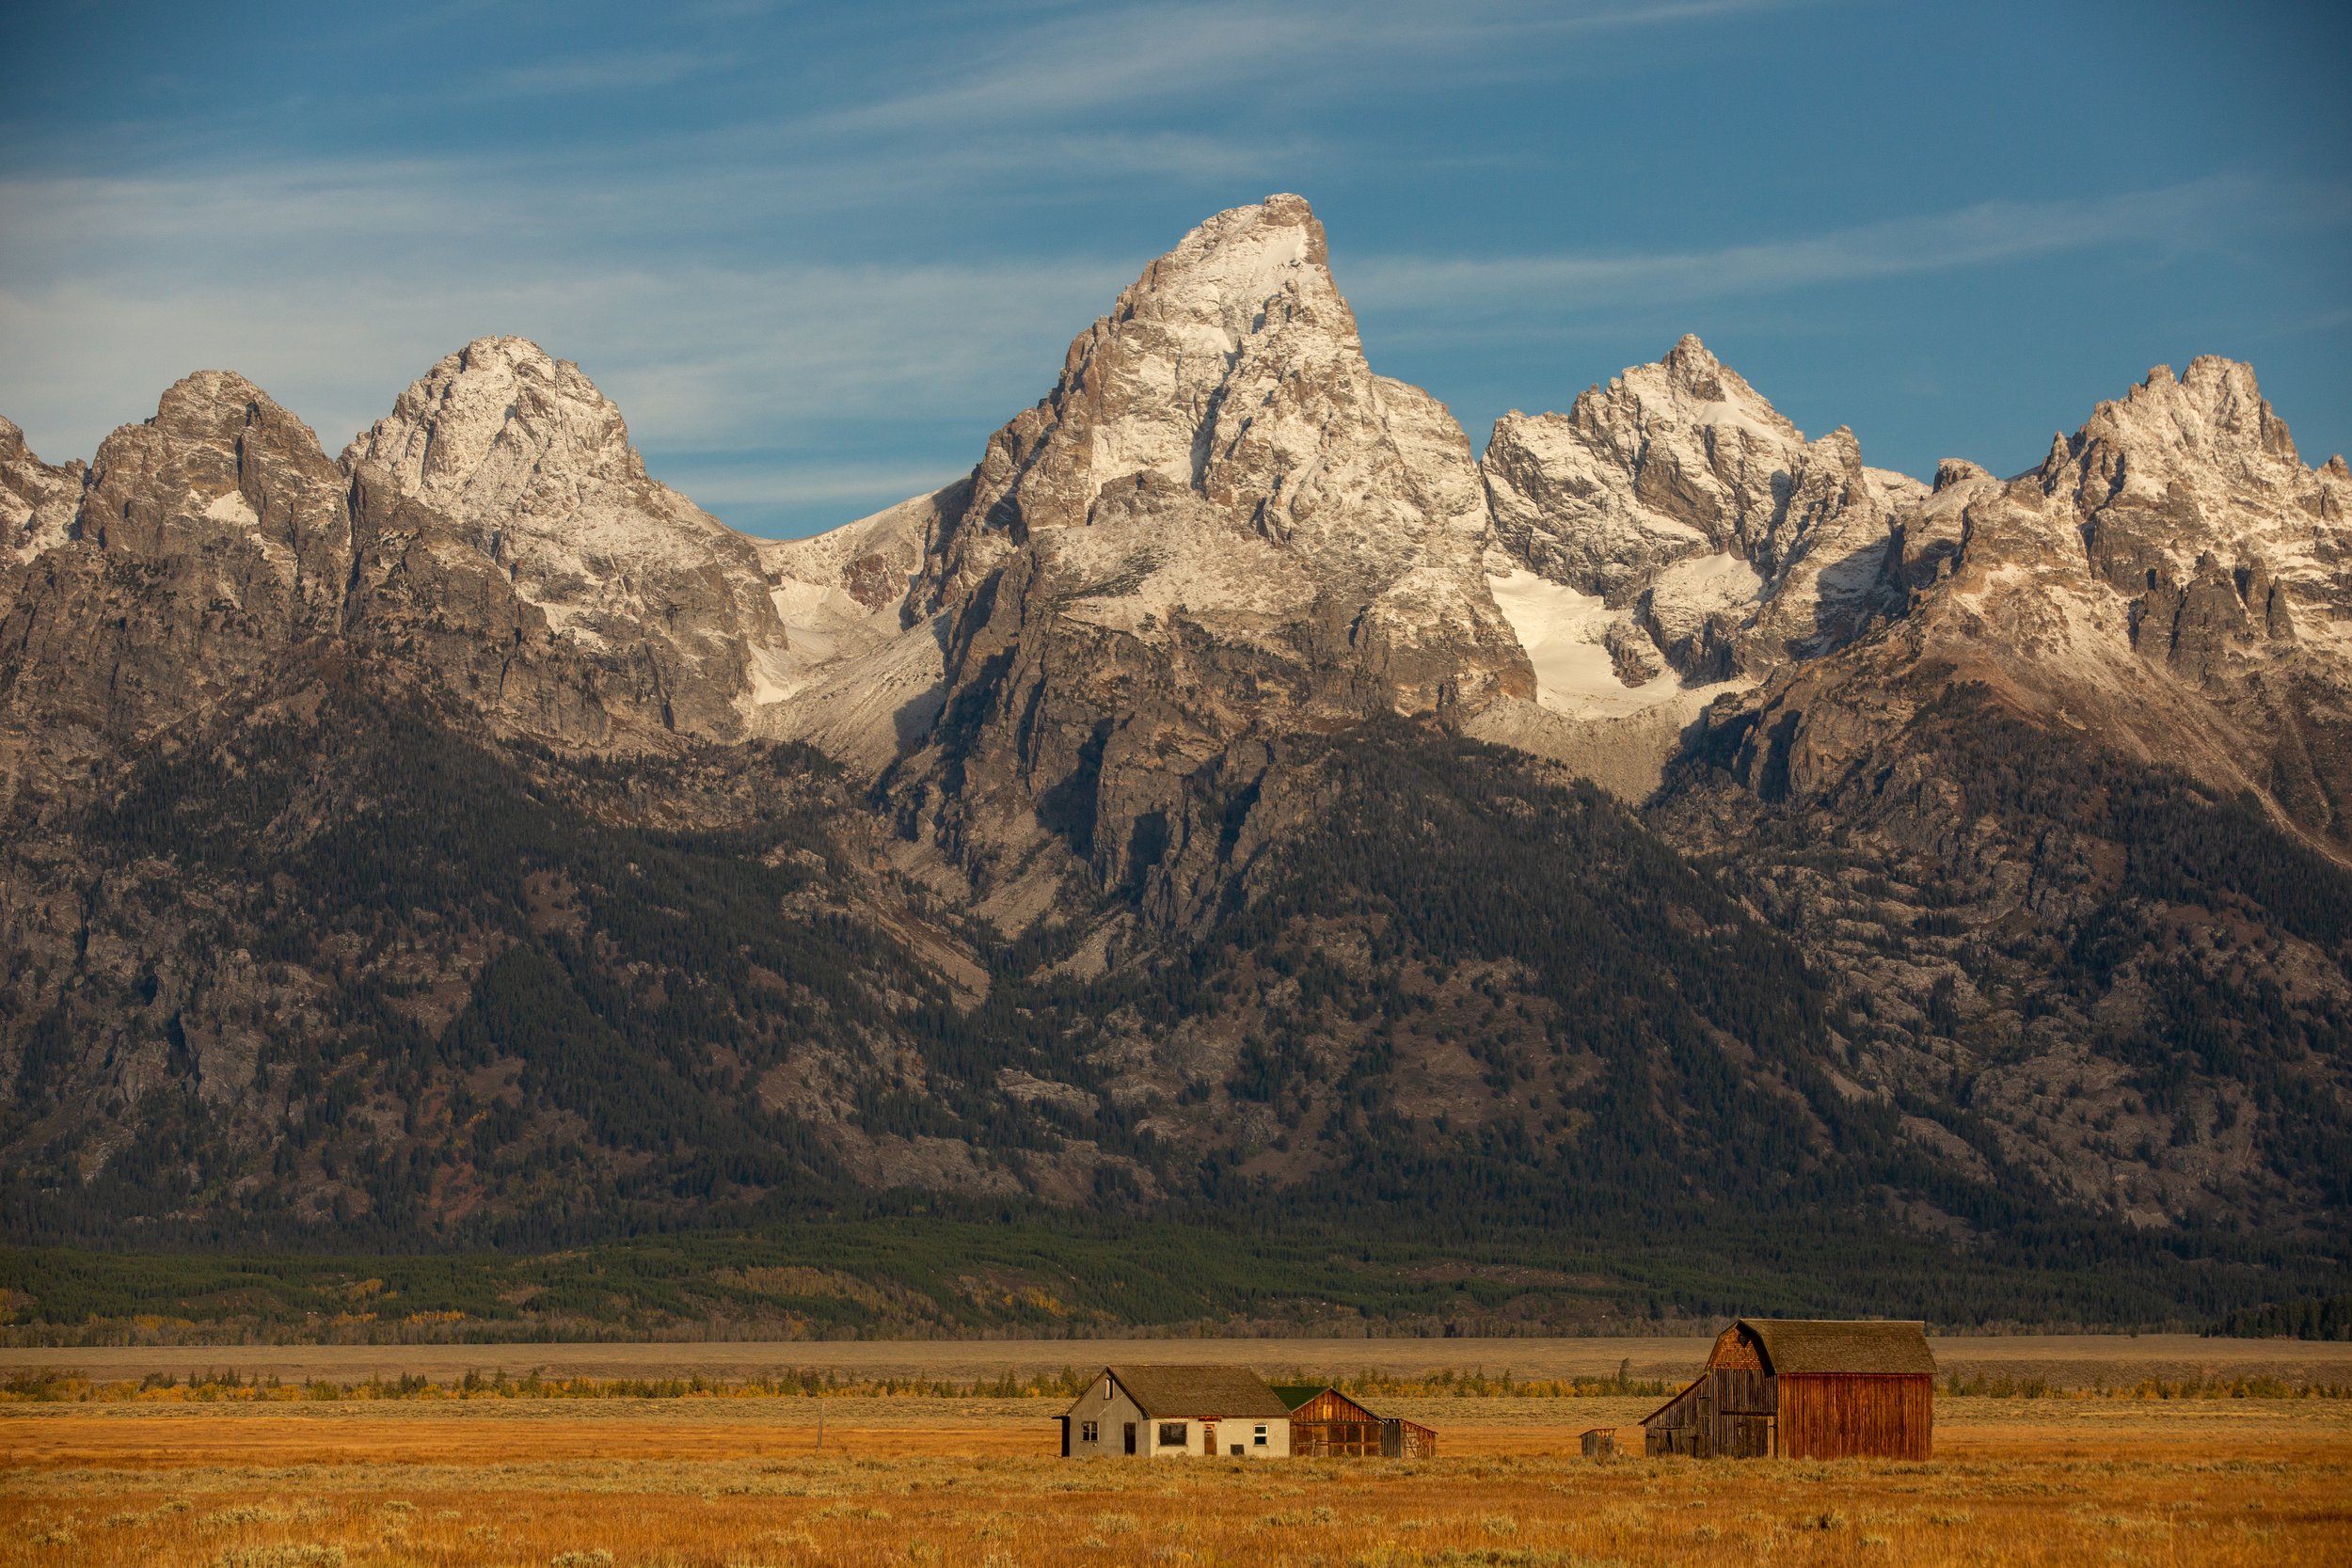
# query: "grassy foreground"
729 1483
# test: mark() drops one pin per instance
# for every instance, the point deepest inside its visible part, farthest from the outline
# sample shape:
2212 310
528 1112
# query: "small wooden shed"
1327 1424
1600 1442
1804 1388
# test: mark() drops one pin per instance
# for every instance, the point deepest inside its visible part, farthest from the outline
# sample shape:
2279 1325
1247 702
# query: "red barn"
1805 1389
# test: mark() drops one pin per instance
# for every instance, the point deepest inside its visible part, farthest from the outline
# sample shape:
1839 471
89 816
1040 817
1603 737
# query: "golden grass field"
580 1484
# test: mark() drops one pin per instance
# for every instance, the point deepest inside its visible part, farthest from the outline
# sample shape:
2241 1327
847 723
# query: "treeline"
2311 1318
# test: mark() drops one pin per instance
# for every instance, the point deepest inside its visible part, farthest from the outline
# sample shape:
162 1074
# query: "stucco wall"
1111 1414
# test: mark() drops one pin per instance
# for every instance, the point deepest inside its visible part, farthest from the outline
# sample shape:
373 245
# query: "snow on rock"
2177 470
839 594
1227 397
1587 713
36 500
2171 580
534 464
1682 461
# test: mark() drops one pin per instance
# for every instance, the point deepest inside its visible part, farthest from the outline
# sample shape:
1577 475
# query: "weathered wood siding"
1857 1416
1335 1439
1332 1426
1730 1413
1403 1440
1332 1405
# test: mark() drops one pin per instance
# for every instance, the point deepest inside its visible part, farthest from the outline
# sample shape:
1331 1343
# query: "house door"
1208 1438
1130 1436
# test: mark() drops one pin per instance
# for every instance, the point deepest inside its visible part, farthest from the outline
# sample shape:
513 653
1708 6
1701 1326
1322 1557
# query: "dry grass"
2079 1360
968 1482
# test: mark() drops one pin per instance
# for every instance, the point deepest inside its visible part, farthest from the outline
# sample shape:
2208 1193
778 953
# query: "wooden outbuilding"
1147 1412
1600 1442
1327 1424
1804 1388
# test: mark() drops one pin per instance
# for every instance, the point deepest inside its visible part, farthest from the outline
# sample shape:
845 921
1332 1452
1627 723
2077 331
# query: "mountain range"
1236 797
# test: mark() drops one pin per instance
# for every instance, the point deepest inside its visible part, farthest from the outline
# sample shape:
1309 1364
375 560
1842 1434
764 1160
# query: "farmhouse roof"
1160 1390
1802 1345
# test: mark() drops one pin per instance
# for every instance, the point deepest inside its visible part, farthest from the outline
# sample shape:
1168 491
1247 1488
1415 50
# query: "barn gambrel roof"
1796 1346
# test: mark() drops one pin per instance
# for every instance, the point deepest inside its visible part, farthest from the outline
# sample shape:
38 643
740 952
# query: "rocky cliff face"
36 500
2067 818
534 467
1707 523
204 544
1219 523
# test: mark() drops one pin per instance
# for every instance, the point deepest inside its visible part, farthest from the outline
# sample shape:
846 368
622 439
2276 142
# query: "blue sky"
818 252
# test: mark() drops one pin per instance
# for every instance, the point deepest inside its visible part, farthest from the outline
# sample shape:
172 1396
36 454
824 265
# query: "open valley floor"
717 1481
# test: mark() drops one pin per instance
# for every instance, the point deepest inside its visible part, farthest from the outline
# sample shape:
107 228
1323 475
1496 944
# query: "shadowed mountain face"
1235 795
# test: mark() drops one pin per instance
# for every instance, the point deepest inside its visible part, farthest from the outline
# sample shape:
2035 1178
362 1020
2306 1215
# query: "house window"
1262 1436
1086 1432
1171 1434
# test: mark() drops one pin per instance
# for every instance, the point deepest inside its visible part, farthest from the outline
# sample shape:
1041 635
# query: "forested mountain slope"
1236 800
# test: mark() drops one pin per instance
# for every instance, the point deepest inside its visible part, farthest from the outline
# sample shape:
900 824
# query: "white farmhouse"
1149 1411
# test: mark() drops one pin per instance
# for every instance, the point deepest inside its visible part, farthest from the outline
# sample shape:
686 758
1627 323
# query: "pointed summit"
2215 416
1714 530
1220 526
1230 372
1242 298
534 465
1668 460
499 424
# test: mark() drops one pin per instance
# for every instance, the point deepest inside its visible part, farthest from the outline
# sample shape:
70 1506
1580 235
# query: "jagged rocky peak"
524 453
1227 392
2185 497
2171 580
2181 470
500 427
223 467
1668 460
37 499
1720 540
1219 526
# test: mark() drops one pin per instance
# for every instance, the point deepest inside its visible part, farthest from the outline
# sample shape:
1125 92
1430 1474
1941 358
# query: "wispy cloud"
1069 63
648 69
707 358
1471 288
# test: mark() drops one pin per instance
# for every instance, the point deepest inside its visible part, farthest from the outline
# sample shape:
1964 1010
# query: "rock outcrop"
2062 823
534 466
1219 523
1698 513
205 542
37 500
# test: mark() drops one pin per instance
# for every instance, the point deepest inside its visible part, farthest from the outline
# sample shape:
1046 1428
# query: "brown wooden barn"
1327 1424
1804 1388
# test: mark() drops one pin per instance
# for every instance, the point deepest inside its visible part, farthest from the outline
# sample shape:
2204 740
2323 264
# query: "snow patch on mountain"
1678 492
36 500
